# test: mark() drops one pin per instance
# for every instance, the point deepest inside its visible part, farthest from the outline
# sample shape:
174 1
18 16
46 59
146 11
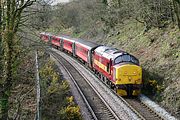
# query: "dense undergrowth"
22 101
57 101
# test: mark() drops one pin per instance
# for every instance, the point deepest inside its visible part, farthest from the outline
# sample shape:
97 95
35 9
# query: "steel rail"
100 96
123 99
128 103
130 106
83 96
77 86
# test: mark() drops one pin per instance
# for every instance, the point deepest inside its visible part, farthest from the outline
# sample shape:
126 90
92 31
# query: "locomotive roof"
109 52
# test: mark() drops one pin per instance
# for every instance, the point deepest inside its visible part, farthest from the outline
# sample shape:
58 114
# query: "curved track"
97 106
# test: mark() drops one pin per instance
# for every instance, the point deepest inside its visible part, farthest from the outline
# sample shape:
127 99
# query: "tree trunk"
176 6
0 33
0 20
119 3
8 75
105 2
11 17
7 39
4 106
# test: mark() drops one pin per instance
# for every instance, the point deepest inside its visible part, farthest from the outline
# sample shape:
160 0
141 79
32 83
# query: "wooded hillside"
148 29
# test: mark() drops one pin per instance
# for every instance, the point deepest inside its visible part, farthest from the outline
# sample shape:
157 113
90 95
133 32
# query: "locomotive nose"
128 79
129 74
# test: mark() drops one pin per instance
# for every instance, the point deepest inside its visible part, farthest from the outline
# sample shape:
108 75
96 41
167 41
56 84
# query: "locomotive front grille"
127 86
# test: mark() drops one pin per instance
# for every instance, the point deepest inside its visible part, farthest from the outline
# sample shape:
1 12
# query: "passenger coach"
84 50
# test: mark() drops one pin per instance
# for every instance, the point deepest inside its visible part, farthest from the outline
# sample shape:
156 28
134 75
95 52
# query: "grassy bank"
159 53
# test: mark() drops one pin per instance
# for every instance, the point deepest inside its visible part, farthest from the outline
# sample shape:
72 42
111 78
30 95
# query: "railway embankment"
159 52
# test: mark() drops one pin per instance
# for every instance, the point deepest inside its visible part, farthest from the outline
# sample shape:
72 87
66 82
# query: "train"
117 68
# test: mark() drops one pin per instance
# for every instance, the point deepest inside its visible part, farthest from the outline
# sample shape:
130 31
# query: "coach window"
77 48
81 49
69 44
46 37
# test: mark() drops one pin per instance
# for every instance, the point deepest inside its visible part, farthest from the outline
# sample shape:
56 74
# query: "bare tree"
11 18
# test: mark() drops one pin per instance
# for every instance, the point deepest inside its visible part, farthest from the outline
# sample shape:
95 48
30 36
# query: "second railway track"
147 113
100 110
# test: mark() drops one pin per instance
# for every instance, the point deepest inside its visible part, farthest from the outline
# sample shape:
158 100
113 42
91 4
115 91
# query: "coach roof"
86 43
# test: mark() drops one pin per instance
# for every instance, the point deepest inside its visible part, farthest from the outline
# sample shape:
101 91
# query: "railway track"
142 109
96 102
97 106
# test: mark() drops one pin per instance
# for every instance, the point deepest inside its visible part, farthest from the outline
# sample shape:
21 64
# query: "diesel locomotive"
119 69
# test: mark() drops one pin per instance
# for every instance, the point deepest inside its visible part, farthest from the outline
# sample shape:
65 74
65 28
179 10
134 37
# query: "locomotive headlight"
130 78
137 81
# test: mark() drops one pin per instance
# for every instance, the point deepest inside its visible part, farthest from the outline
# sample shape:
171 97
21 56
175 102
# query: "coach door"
73 48
61 44
89 58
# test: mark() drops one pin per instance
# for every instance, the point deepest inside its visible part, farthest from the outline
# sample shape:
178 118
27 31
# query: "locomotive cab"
127 75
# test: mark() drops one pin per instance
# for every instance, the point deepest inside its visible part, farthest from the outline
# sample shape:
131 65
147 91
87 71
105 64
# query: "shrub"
71 112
